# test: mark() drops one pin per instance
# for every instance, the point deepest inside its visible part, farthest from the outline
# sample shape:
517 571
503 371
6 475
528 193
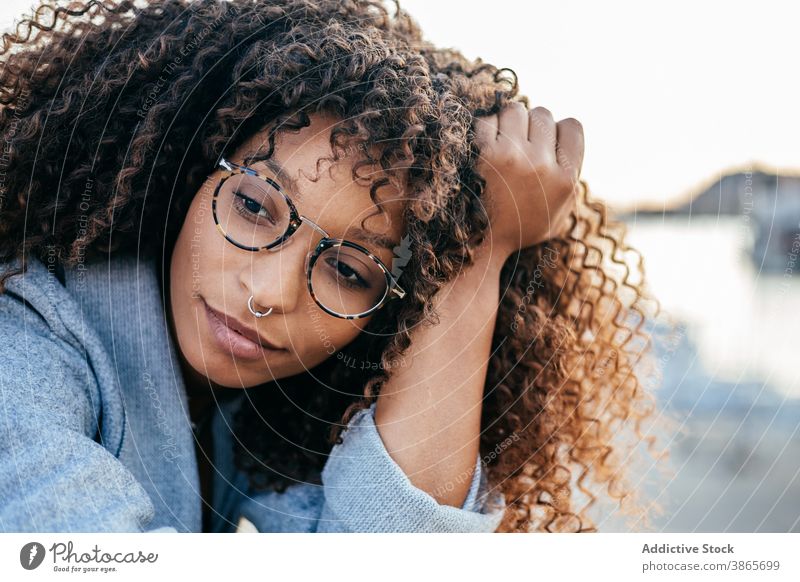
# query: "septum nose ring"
254 312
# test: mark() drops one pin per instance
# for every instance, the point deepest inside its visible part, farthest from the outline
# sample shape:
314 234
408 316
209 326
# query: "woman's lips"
234 342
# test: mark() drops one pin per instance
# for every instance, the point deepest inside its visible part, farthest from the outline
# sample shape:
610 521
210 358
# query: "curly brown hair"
114 114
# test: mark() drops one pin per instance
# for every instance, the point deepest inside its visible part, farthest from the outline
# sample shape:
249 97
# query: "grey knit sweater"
95 433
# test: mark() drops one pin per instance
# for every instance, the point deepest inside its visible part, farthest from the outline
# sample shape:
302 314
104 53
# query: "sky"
671 96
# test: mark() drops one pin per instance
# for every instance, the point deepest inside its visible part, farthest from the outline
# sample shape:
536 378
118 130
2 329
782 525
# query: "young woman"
287 264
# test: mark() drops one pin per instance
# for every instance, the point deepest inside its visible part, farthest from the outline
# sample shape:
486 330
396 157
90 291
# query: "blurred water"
730 382
744 322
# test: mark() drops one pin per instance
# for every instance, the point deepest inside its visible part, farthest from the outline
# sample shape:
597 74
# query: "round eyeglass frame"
393 288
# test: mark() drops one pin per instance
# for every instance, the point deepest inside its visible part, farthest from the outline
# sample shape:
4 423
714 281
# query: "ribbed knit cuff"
367 491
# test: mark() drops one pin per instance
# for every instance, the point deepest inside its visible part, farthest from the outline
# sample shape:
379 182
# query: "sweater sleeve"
54 475
365 490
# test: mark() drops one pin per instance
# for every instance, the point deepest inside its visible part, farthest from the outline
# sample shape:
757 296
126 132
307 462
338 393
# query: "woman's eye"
252 207
348 275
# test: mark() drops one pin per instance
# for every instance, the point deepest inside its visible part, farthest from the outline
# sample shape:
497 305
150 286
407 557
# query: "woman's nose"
277 279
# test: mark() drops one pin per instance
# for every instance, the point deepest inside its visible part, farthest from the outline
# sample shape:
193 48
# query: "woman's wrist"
487 262
476 288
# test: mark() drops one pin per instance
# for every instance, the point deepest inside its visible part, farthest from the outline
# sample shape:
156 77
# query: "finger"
513 122
542 128
570 146
485 130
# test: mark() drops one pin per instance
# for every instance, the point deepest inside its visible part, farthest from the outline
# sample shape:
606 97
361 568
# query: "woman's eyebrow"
284 178
288 182
373 237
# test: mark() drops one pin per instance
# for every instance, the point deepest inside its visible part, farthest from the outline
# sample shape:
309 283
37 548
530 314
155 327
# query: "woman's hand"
532 168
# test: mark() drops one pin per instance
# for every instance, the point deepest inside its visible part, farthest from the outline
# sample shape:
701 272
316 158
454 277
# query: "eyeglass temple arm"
397 289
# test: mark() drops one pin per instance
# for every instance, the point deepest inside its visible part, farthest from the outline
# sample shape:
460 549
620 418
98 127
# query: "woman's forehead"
301 162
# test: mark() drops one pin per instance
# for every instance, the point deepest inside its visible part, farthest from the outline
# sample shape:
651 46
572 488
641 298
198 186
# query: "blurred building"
768 206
